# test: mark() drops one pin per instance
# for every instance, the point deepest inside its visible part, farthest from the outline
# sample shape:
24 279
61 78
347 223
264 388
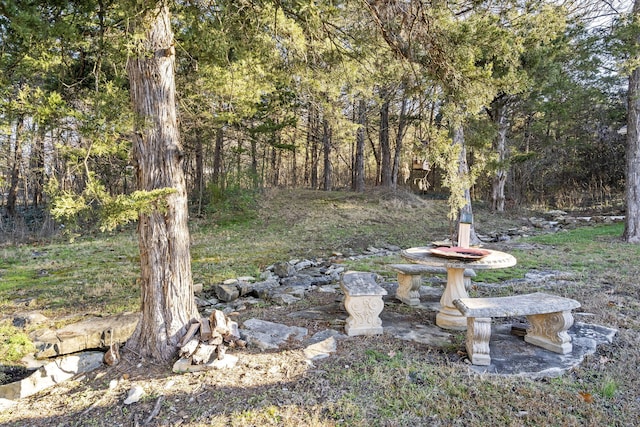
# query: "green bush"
232 204
14 344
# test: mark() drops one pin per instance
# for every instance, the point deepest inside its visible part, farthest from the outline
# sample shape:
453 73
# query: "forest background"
319 95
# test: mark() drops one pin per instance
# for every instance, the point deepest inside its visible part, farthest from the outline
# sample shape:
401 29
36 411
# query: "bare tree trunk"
500 146
217 156
326 148
294 167
313 139
198 179
632 190
463 171
402 126
37 169
255 177
167 300
275 175
14 178
358 184
385 145
238 163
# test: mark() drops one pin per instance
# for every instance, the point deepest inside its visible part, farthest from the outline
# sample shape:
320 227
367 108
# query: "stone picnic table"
449 317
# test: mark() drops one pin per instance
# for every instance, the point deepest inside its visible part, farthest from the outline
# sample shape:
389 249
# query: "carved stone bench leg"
363 314
550 331
409 288
478 336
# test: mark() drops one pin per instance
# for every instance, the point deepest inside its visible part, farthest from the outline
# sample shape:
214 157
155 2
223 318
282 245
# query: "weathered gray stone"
226 293
397 326
51 374
554 214
268 335
245 287
92 333
327 333
268 275
322 280
134 394
201 303
284 299
305 263
22 320
263 289
334 270
298 280
321 350
284 269
511 356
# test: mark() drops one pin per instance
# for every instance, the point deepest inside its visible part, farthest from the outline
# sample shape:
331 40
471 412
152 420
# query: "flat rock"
323 335
51 374
262 289
510 355
321 350
22 320
284 299
268 335
284 269
226 293
92 333
396 326
134 395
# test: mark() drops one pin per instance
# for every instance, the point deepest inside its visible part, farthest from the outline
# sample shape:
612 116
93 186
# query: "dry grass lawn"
369 381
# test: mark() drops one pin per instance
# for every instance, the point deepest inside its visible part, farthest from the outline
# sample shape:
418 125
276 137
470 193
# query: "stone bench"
410 280
549 319
363 302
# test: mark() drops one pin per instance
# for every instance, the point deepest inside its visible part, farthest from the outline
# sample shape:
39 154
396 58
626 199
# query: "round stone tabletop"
423 255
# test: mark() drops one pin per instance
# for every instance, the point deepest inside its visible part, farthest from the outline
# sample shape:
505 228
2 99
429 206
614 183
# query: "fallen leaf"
587 397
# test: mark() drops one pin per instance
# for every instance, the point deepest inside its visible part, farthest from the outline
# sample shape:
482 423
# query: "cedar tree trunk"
165 262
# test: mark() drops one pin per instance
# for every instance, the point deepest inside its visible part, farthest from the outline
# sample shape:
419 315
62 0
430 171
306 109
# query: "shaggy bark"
167 301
